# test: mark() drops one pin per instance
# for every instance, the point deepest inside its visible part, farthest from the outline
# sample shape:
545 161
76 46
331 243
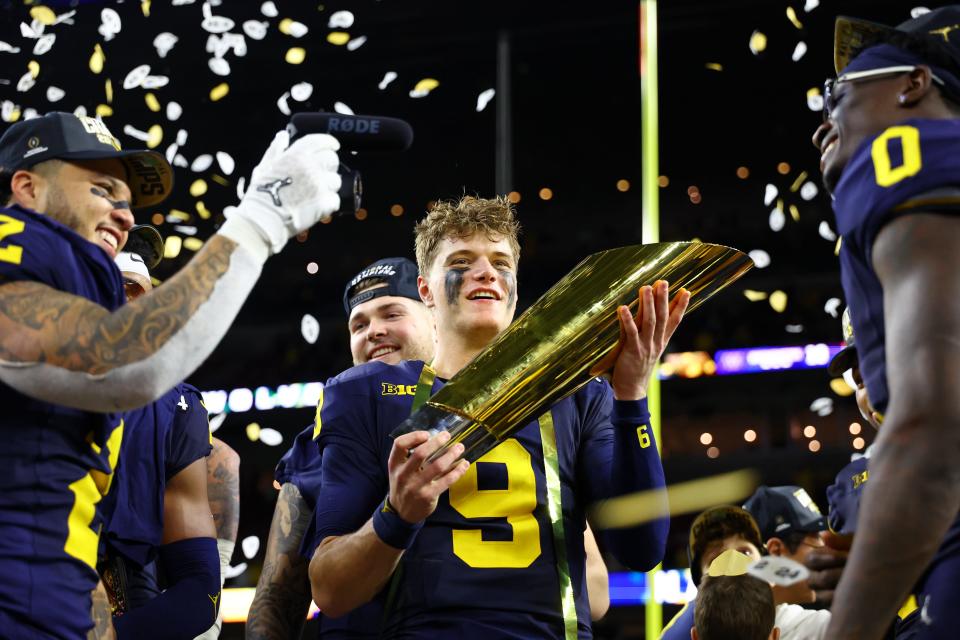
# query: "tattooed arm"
283 592
66 349
223 489
102 618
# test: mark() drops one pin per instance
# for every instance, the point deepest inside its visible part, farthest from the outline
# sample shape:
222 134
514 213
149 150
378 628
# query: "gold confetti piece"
154 136
754 296
198 188
108 90
34 67
778 300
152 103
758 42
104 110
179 215
295 55
192 244
202 210
171 248
338 38
840 387
14 115
220 180
96 60
780 204
43 15
792 17
714 66
253 431
798 182
145 7
427 84
795 213
729 563
836 249
219 91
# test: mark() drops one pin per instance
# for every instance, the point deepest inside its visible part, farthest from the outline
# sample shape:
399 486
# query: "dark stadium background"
575 112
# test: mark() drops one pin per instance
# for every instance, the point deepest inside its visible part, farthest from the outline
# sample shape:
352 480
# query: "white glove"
294 187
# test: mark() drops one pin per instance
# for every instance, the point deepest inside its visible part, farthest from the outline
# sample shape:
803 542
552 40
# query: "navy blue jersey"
679 627
887 177
485 563
56 462
300 466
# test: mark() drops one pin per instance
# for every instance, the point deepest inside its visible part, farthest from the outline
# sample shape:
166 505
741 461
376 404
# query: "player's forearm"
907 507
348 571
102 619
282 599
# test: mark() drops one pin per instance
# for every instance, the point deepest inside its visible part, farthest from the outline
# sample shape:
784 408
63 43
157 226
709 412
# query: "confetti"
778 301
44 44
295 55
792 17
174 110
770 194
356 43
301 91
145 8
269 9
65 18
171 247
26 82
154 136
840 387
309 328
164 42
133 132
215 24
255 29
484 99
219 66
104 111
714 66
795 186
201 163
795 213
758 42
217 421
811 5
241 188
155 82
424 87
219 92
220 180
226 162
271 437
236 42
43 15
822 406
176 215
202 210
794 328
182 137
799 51
192 244
809 191
761 259
916 12
109 24
198 188
293 28
9 112
30 113
388 77
340 107
754 296
8 48
777 219
28 32
338 38
136 76
80 111
250 546
340 20
187 230
152 103
232 572
34 68
55 94
826 232
282 104
97 59
832 307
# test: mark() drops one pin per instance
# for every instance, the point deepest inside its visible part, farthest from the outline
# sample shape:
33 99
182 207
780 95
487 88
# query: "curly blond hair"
449 219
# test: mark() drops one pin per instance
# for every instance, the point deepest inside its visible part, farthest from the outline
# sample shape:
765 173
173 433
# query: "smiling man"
888 148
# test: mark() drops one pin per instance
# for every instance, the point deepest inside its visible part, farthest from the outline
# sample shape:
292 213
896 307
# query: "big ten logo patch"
859 479
151 181
97 128
398 389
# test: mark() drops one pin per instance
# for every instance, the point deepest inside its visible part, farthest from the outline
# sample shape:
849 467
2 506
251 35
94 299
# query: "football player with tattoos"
73 356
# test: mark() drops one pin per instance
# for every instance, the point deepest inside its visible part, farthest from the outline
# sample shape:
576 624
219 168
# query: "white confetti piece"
269 9
155 82
6 110
80 111
217 46
182 137
770 194
65 18
271 437
255 29
216 24
30 113
109 23
356 43
241 189
301 91
250 546
809 191
44 44
388 77
484 99
55 93
26 82
233 572
174 110
27 31
799 51
180 3
761 259
6 47
296 29
814 99
201 163
826 232
171 152
916 12
777 219
832 307
810 5
340 107
794 328
236 42
340 20
136 76
282 103
219 66
135 133
185 229
180 161
309 328
822 406
225 160
164 42
217 421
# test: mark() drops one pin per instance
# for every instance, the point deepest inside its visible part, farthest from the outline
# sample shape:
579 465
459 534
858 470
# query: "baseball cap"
66 136
786 509
846 357
399 275
714 525
145 241
132 262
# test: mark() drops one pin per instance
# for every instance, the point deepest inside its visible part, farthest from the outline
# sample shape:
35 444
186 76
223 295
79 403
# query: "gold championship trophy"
551 351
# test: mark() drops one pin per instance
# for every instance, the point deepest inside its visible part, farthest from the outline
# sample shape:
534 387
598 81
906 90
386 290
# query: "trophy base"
474 436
